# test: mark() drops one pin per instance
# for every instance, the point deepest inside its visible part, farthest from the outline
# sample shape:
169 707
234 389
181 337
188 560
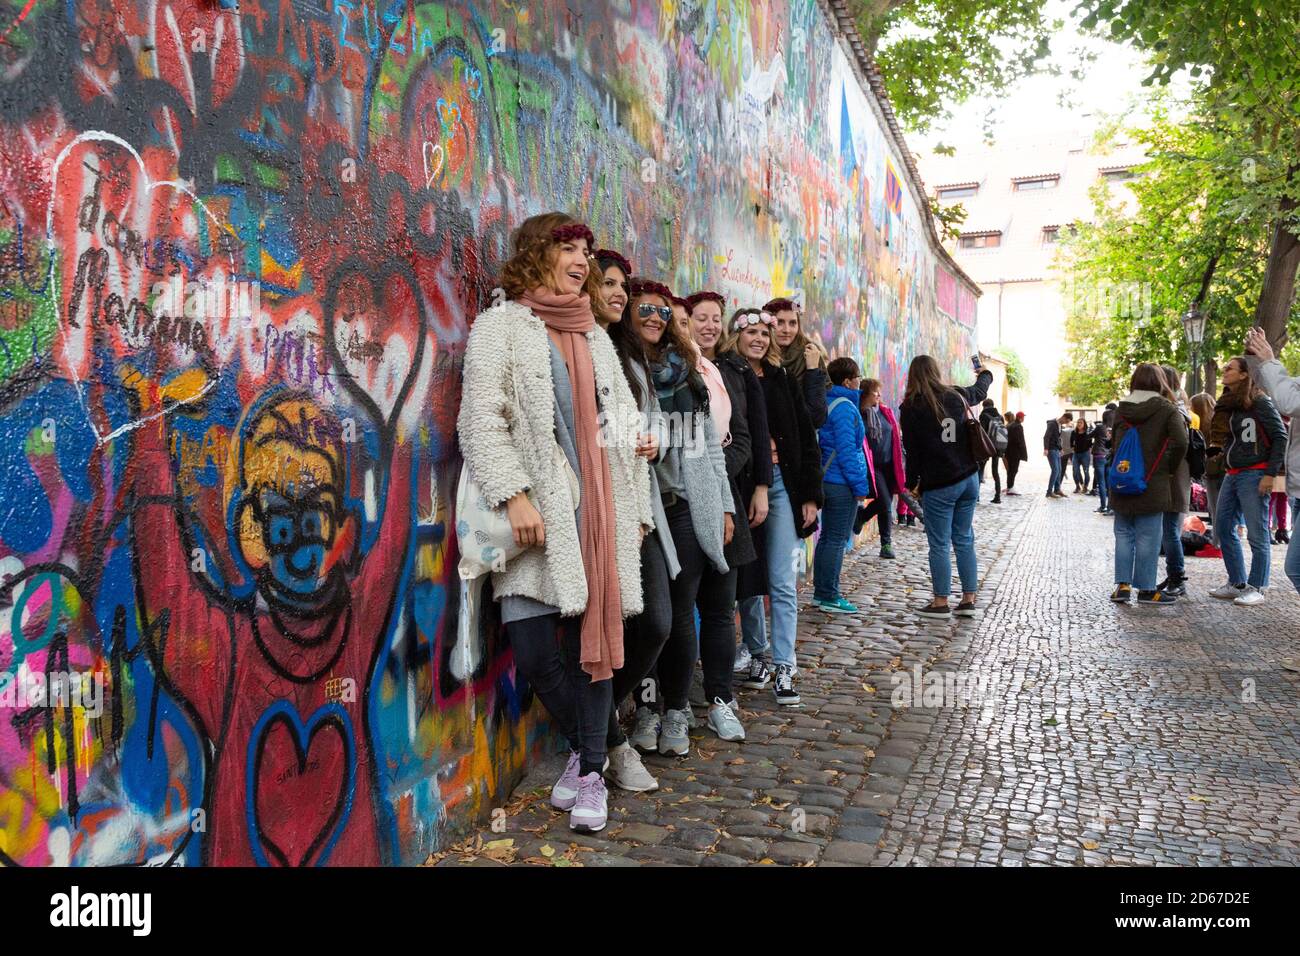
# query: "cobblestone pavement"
1071 730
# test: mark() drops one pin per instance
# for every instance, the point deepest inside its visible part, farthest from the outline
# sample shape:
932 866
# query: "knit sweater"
506 429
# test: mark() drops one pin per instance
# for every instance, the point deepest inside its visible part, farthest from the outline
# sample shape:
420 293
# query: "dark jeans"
1173 543
1013 466
997 479
837 521
643 635
678 657
1082 460
1101 481
579 706
717 604
881 507
1058 471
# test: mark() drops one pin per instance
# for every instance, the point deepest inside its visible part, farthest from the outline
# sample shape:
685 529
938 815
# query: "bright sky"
1043 103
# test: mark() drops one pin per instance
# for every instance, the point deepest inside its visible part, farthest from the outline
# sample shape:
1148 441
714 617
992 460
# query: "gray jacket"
655 425
1285 392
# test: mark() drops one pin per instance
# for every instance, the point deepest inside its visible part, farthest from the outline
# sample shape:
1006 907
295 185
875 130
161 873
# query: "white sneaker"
743 657
628 772
1249 596
1228 592
724 722
1291 664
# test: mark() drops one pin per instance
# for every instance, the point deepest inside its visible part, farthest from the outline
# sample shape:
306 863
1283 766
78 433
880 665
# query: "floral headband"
612 258
742 322
649 287
695 299
572 232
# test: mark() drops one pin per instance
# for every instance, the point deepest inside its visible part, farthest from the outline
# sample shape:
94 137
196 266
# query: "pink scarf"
568 319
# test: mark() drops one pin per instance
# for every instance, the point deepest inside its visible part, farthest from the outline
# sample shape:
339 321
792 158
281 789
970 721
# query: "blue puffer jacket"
842 437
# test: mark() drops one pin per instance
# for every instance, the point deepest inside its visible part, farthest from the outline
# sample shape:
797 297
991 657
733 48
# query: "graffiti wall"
239 252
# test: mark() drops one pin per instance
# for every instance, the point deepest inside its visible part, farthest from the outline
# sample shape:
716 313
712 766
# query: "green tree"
933 54
1199 236
1244 55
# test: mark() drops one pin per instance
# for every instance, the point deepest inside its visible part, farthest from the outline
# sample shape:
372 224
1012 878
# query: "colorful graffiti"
239 252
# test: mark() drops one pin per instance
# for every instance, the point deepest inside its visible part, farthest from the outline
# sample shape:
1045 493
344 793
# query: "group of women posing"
656 461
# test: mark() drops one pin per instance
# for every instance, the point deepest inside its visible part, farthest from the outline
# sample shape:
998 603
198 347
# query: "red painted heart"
301 788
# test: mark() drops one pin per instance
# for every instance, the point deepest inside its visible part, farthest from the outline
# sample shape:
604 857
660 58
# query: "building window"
958 192
1035 182
1119 174
980 240
1050 235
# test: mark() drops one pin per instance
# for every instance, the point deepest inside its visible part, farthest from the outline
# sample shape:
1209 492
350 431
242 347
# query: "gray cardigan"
655 425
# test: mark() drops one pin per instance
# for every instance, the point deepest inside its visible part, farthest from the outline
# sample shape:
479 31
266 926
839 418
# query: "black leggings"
579 706
643 635
677 660
717 603
1013 466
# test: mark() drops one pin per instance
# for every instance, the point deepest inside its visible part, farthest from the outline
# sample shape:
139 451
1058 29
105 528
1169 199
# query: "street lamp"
1194 329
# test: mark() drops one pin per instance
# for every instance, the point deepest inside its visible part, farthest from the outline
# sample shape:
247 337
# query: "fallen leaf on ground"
1090 844
547 850
1050 722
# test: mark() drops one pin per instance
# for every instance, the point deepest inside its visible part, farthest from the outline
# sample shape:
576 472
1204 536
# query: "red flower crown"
571 232
706 296
614 258
649 287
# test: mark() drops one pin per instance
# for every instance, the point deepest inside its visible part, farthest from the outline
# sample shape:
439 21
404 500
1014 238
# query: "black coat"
932 461
747 455
1080 443
1016 450
797 450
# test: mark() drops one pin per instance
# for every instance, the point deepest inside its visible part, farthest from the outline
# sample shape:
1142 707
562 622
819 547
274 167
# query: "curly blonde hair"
533 259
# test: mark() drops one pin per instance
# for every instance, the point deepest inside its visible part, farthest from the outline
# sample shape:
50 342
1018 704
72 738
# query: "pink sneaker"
589 814
565 792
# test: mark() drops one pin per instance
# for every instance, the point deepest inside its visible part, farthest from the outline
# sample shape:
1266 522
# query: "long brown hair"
1244 393
1149 378
925 385
673 336
1202 404
534 255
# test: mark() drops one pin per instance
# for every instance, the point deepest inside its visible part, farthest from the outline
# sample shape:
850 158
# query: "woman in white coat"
540 377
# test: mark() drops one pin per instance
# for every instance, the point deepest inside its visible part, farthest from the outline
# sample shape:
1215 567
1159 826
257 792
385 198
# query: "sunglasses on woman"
645 310
743 322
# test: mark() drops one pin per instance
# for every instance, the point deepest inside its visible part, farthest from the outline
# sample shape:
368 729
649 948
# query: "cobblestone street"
1095 734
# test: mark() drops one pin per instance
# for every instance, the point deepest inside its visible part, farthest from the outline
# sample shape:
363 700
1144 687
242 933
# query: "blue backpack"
1128 474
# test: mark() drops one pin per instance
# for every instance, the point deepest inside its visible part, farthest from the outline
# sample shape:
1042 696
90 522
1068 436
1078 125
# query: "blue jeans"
1292 565
1054 460
1081 460
1101 481
948 515
1137 549
828 557
1239 498
1173 542
780 540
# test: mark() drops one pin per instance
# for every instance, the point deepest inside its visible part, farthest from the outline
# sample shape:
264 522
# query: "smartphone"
975 363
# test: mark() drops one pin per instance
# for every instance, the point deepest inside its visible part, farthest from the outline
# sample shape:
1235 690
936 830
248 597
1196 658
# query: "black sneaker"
1175 587
1121 594
759 674
965 609
786 695
1156 597
997 500
931 610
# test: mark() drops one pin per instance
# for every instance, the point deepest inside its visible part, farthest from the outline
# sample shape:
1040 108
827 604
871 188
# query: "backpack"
1128 474
998 433
1195 452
